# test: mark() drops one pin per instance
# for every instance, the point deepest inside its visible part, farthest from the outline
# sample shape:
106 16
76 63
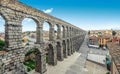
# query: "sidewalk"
61 66
79 66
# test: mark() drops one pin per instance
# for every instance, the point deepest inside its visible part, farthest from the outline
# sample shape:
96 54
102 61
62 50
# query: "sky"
86 14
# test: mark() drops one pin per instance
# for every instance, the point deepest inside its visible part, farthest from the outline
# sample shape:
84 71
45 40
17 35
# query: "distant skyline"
86 14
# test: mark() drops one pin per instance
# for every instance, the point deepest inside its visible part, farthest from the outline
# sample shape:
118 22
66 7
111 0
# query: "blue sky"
86 14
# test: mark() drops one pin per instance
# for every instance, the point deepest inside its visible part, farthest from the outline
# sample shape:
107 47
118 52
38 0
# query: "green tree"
88 32
99 33
2 44
113 33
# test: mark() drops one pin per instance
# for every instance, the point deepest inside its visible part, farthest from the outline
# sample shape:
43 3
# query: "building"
100 37
93 40
2 36
114 50
103 40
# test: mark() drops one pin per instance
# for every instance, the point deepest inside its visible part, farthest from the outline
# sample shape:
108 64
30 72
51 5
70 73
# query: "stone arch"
65 52
49 22
4 16
52 56
31 34
38 59
30 17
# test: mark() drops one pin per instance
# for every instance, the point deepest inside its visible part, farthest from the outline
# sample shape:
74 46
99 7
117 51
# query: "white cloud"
48 10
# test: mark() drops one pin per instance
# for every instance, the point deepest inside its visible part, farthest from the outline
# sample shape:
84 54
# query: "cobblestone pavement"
79 66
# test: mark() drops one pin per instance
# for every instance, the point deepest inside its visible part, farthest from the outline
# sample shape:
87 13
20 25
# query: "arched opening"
33 60
29 60
28 31
2 33
52 57
46 31
59 51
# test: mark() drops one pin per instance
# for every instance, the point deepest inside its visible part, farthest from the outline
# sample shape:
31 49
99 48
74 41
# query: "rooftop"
114 50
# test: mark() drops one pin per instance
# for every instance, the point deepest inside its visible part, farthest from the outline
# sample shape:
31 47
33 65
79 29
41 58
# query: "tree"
99 33
113 33
2 43
88 32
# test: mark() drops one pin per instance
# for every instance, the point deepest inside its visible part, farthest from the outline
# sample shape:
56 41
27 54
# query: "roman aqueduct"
14 12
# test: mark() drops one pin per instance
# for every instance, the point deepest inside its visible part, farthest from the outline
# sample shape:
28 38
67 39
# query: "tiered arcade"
65 45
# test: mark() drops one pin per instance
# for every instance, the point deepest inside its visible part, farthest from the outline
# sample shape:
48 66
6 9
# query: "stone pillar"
64 32
40 62
72 47
39 33
59 33
59 51
70 32
65 51
68 47
51 34
67 31
13 35
59 46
